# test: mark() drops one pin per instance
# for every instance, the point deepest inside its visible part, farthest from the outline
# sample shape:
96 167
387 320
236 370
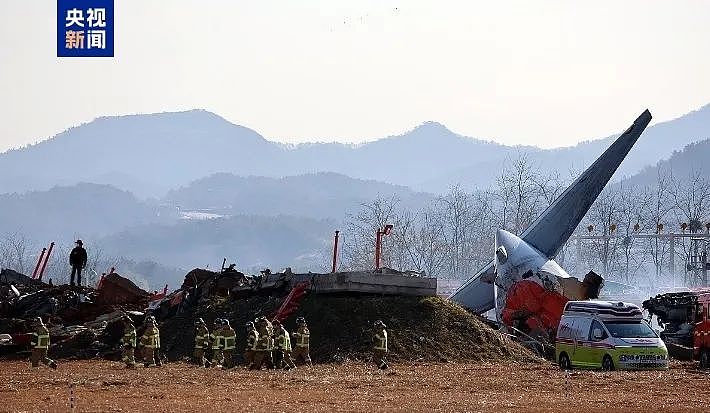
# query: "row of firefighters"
268 344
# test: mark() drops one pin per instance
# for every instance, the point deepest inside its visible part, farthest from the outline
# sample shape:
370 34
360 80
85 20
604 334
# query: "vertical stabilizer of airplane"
555 225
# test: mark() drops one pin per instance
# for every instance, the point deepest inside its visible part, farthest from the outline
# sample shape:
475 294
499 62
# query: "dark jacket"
77 257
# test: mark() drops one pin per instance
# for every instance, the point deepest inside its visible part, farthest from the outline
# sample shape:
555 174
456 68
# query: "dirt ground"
490 387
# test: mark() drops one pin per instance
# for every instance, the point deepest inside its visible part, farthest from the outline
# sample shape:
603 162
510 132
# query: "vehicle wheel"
564 362
607 363
705 359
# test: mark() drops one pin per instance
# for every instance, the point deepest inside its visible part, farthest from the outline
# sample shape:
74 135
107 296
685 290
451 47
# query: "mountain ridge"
152 154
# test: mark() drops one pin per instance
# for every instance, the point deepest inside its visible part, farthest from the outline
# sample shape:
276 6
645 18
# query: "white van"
607 335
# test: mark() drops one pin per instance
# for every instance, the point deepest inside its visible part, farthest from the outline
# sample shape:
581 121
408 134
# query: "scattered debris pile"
207 283
84 323
118 290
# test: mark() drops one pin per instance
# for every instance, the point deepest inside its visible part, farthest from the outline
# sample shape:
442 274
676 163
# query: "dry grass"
491 387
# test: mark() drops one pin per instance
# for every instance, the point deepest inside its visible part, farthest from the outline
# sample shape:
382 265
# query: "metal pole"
671 264
606 256
579 253
39 261
46 258
378 244
705 266
335 251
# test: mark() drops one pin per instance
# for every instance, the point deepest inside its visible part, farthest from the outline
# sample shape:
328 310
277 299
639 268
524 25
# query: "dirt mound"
422 329
426 329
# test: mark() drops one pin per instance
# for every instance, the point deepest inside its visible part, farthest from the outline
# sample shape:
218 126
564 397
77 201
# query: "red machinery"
378 243
42 262
290 304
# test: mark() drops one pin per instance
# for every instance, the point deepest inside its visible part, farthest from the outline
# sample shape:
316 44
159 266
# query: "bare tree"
359 245
692 206
524 192
456 221
604 213
658 213
633 208
15 253
430 251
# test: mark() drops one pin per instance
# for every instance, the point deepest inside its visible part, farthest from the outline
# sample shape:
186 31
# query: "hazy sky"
547 73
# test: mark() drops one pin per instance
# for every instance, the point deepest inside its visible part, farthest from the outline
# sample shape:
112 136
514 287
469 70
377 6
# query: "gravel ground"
491 387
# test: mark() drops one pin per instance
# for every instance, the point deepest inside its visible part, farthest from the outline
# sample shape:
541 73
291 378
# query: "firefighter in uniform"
379 354
128 343
282 348
150 340
202 342
158 359
217 344
40 345
252 338
302 335
262 354
230 342
269 356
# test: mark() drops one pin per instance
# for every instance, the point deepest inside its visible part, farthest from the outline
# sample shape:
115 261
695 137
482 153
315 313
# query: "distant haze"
156 195
151 154
544 73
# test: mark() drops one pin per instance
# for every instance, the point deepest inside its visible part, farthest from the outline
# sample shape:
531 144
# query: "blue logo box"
85 28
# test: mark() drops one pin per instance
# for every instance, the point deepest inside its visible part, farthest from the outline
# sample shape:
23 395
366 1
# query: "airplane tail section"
555 225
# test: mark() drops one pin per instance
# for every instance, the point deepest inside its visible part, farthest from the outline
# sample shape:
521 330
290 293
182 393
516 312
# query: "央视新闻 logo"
85 28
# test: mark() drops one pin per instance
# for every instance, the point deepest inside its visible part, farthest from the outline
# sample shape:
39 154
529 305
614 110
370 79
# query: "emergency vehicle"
607 335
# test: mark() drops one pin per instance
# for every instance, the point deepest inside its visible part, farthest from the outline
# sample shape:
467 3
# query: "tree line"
453 236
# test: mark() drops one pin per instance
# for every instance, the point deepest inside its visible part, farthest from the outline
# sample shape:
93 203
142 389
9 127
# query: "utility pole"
335 250
378 243
705 266
671 262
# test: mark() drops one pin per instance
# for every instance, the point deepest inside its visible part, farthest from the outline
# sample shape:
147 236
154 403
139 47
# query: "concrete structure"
368 282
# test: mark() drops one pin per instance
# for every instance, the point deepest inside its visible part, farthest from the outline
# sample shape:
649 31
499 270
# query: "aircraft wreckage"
523 282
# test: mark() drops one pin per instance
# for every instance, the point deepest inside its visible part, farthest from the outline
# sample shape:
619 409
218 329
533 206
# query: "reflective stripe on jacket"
381 340
40 339
252 339
230 339
129 337
151 338
157 338
148 341
217 340
283 341
202 337
303 337
262 343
